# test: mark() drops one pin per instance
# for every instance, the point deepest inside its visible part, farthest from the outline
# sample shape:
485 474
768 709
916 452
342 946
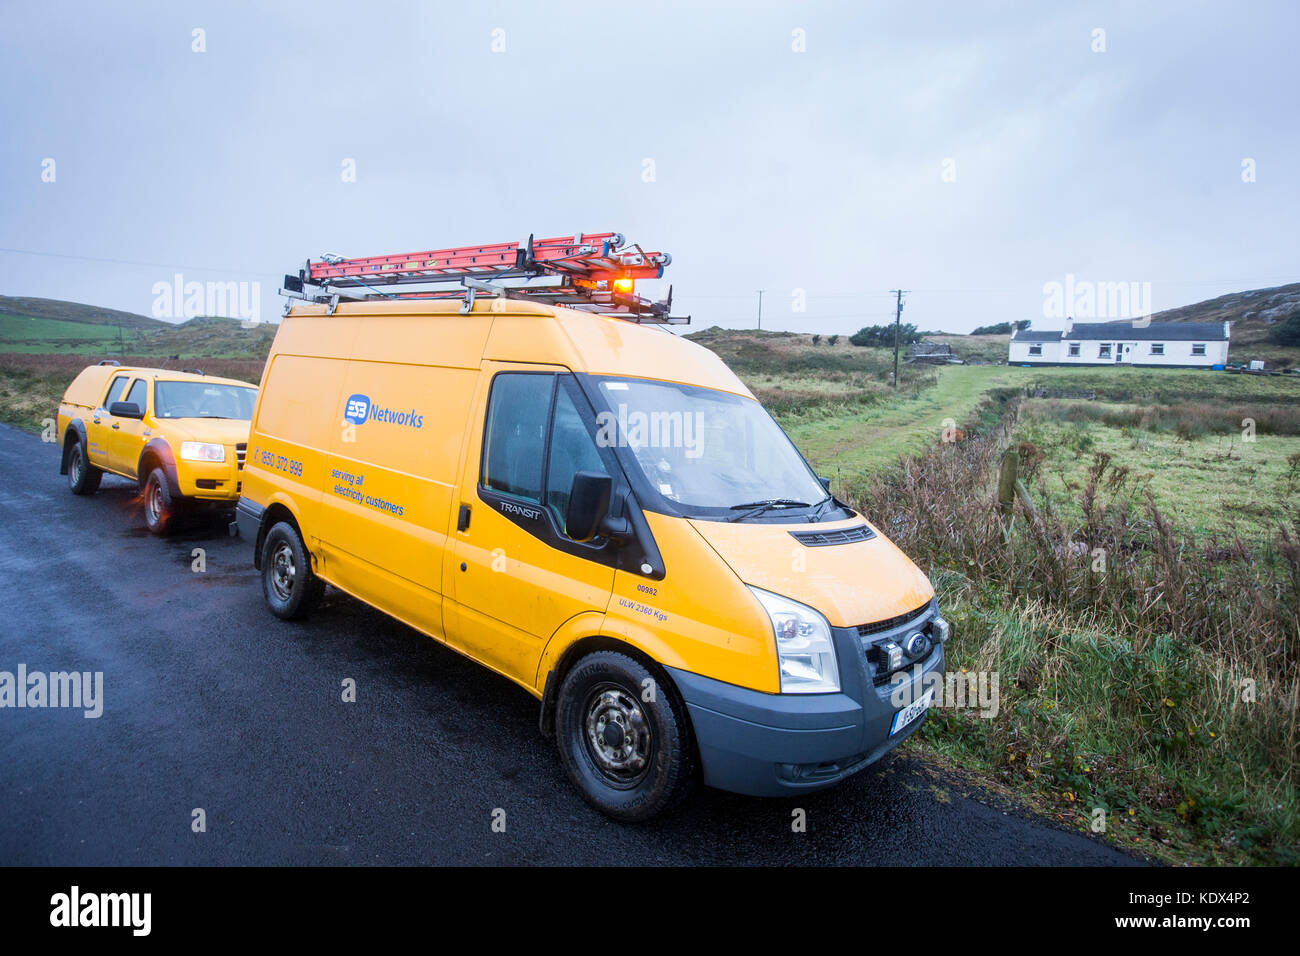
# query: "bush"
1288 333
882 336
1001 328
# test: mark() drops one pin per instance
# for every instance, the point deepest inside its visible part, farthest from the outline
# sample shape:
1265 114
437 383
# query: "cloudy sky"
968 152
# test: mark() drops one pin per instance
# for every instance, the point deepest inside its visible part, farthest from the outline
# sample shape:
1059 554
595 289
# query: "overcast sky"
970 153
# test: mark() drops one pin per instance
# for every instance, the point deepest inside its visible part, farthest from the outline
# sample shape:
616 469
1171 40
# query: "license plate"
911 712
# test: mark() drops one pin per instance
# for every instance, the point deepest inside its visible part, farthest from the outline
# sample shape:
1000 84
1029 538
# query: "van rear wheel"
83 477
624 738
288 582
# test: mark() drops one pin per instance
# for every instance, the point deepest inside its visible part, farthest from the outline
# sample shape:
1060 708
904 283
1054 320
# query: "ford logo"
915 644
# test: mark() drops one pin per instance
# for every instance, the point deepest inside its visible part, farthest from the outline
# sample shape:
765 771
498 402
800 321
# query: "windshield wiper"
758 507
821 508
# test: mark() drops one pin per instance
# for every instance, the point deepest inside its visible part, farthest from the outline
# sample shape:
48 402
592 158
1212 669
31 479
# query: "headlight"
805 652
202 451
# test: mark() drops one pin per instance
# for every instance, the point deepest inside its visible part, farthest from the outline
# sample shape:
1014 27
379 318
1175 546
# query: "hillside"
72 329
59 310
1260 308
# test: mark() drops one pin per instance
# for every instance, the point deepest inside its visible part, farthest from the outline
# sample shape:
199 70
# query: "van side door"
389 484
513 576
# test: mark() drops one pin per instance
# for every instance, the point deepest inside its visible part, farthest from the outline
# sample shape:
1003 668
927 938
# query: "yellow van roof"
520 331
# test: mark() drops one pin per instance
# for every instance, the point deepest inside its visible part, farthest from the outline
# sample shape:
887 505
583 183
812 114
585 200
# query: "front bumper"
210 480
779 744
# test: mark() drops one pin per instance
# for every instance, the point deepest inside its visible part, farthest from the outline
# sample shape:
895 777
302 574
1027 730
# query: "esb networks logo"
360 408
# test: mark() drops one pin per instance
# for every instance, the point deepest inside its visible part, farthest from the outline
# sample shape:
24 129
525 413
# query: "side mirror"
826 483
588 504
125 410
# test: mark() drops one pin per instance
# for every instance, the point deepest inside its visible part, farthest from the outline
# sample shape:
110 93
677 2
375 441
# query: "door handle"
116 426
462 518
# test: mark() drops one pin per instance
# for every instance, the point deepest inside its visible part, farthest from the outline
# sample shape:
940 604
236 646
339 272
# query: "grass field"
197 338
1122 689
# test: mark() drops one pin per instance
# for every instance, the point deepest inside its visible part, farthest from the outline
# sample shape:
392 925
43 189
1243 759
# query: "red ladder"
590 271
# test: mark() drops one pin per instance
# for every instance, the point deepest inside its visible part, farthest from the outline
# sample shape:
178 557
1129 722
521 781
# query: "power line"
135 262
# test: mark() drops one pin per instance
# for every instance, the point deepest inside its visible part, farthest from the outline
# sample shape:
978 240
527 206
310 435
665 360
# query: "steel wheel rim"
153 503
74 472
283 571
617 735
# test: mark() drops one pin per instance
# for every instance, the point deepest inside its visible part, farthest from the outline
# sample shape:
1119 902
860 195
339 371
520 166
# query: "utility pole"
898 317
760 310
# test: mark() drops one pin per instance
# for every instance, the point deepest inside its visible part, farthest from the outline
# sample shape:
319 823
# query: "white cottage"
1165 344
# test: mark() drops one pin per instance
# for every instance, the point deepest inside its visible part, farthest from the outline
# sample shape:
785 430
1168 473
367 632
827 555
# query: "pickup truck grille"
240 451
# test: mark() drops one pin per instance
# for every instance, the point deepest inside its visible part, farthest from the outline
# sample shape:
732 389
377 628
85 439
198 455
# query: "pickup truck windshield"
203 400
708 453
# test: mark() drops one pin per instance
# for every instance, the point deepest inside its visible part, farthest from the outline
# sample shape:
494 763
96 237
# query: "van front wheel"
288 582
624 738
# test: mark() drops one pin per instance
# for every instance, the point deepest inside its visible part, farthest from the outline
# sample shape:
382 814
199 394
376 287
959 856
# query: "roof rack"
592 272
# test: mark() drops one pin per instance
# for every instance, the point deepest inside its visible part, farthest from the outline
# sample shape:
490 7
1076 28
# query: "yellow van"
601 512
180 435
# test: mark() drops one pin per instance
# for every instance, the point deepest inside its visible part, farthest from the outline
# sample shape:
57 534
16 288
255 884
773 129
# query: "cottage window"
1198 349
1074 349
1157 348
1035 350
1103 351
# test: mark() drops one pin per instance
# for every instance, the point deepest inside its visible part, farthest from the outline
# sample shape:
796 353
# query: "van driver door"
513 576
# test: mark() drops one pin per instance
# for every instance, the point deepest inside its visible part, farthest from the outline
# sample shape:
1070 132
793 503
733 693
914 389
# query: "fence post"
1008 478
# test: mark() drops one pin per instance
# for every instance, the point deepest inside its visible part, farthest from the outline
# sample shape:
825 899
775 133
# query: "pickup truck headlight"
202 451
805 652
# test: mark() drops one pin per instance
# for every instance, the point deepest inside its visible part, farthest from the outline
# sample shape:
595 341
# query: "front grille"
895 629
866 630
240 451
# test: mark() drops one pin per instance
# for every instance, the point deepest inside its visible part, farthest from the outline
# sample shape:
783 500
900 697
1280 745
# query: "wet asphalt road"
212 703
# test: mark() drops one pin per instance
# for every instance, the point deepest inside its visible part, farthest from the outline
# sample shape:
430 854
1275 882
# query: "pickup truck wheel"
288 582
631 757
83 477
159 509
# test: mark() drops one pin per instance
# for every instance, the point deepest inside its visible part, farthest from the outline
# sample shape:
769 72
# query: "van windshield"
203 400
705 452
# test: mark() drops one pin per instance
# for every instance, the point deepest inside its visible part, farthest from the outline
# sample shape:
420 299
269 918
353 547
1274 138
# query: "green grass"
1104 709
1216 484
23 333
197 338
850 445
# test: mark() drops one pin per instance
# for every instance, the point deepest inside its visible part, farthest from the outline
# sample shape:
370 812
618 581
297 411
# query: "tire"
289 584
646 764
160 509
83 477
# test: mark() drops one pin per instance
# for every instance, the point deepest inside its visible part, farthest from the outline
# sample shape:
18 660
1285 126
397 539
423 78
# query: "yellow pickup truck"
180 435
